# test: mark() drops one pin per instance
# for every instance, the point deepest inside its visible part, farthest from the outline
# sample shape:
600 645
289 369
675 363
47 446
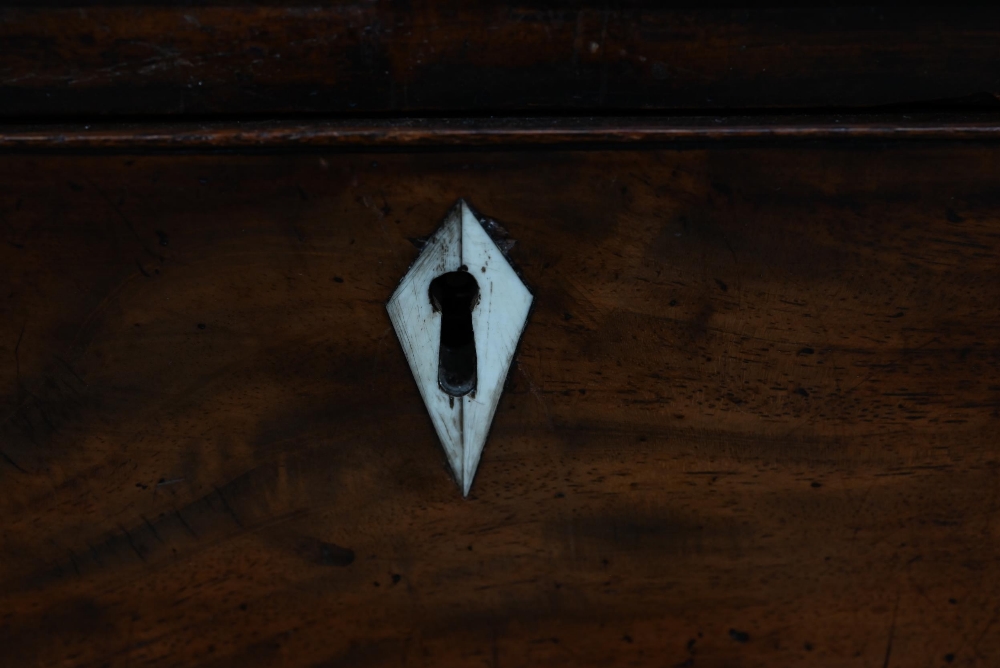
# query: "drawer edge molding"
485 132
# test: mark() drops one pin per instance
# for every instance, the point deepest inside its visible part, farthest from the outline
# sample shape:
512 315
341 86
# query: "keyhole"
455 294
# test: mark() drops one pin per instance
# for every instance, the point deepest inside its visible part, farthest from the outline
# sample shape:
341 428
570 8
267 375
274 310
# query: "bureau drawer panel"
752 416
356 58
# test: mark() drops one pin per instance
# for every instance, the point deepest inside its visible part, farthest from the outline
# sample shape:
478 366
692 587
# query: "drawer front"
751 419
238 58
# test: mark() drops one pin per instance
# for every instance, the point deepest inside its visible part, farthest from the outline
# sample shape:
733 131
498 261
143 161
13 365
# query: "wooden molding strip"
406 133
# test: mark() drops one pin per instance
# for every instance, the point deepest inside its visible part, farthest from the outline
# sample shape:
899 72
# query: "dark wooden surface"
482 58
421 133
753 420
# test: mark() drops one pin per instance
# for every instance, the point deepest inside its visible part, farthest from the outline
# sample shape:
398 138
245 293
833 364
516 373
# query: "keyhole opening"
455 294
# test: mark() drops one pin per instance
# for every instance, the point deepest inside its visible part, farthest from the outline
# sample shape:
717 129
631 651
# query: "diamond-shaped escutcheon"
459 313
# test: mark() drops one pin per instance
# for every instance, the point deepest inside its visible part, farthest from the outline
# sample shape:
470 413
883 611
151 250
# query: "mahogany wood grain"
412 58
753 419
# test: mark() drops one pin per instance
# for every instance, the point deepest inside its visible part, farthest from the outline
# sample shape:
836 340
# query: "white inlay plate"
462 423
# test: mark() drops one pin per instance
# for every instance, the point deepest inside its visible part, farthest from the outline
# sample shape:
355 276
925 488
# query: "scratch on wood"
229 509
10 461
70 369
131 543
185 524
149 524
892 632
128 223
17 359
94 555
537 395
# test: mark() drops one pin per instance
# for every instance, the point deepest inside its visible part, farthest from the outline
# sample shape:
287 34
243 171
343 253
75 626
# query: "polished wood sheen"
419 133
753 419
